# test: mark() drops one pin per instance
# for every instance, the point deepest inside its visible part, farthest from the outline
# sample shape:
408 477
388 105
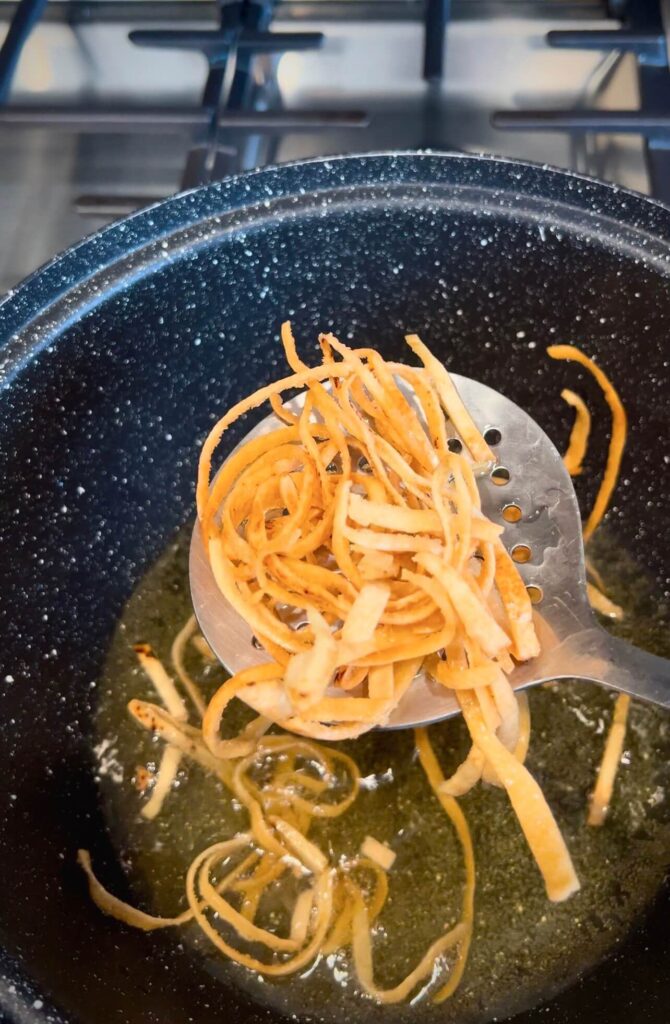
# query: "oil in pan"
524 949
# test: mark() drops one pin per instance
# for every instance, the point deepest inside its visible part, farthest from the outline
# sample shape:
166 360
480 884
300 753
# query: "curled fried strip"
122 911
617 440
322 903
435 777
579 435
362 946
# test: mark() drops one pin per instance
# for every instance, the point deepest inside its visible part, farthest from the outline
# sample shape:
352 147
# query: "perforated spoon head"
529 493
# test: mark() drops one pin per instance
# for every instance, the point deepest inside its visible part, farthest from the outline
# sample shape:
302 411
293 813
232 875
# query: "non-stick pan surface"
115 359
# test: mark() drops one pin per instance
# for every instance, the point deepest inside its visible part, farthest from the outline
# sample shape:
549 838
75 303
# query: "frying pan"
115 359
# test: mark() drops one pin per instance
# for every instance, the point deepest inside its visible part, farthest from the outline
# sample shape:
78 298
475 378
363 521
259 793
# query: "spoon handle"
596 655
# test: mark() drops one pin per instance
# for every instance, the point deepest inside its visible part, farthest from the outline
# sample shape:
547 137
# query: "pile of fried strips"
359 513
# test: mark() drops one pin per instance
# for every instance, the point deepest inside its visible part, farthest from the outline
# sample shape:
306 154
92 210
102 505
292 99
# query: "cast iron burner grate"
239 121
645 32
237 97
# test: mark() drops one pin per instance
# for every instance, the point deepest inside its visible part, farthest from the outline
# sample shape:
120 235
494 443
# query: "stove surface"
60 183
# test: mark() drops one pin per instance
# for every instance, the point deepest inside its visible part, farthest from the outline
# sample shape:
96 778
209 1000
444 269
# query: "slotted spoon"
530 485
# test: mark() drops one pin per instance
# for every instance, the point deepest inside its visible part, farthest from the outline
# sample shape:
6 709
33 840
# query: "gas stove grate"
239 96
645 32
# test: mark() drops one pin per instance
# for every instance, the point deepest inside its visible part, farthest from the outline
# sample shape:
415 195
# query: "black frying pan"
115 359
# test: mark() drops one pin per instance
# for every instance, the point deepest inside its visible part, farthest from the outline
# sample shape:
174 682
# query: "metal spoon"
529 484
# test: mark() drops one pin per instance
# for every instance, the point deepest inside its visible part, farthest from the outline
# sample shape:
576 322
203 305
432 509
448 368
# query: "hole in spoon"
511 513
455 446
521 553
492 436
255 642
500 476
535 593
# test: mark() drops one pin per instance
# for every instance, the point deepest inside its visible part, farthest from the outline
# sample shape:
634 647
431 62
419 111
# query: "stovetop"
96 125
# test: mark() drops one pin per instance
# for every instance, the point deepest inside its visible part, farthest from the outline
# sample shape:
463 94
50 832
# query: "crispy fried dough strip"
609 766
436 779
579 435
536 820
323 902
362 947
167 773
617 440
120 910
162 682
602 603
246 741
179 734
185 634
517 605
380 853
295 380
452 402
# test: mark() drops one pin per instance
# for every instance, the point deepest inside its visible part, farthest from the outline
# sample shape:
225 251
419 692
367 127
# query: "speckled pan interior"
116 358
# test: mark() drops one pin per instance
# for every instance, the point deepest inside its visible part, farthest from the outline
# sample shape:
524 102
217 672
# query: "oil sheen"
524 948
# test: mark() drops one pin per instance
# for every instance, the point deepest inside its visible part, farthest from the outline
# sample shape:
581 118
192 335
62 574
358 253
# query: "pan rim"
32 296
